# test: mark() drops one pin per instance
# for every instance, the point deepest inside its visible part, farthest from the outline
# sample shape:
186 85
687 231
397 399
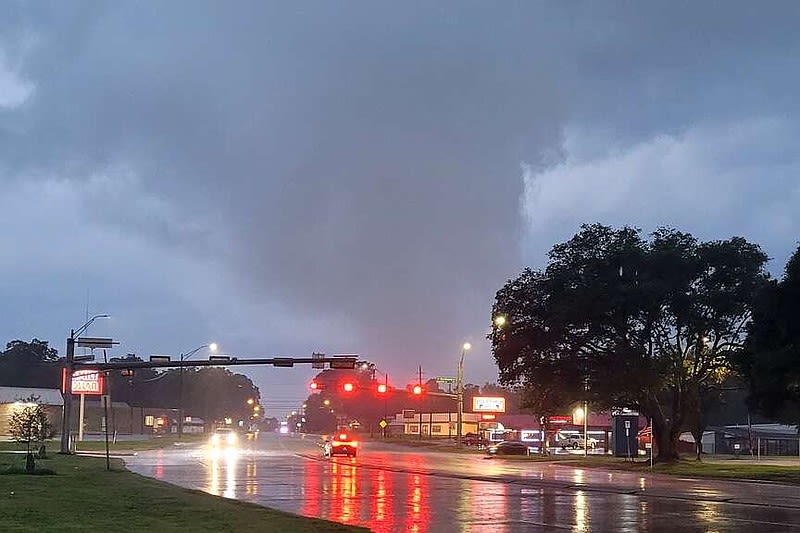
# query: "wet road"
391 488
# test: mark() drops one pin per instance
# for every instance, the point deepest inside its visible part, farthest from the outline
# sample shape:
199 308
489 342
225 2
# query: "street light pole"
586 428
213 347
460 392
69 365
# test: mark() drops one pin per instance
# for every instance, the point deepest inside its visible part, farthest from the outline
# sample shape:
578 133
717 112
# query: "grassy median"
728 469
153 443
78 494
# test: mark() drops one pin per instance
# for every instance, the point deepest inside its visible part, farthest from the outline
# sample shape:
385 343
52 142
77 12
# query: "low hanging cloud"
714 180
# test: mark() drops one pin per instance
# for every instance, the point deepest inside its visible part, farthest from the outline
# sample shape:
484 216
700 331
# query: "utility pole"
385 400
421 406
460 393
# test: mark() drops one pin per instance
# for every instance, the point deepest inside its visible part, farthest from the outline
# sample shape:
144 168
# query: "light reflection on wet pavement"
393 489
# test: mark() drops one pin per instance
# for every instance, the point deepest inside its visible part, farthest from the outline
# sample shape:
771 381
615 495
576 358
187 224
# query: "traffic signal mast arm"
216 361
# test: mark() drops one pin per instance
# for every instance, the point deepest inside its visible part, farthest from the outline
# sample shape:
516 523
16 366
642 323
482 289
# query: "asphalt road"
391 488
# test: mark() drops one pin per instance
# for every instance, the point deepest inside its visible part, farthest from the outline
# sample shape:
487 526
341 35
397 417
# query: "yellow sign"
383 423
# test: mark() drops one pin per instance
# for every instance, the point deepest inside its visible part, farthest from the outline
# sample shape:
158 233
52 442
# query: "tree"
771 360
624 322
28 423
29 364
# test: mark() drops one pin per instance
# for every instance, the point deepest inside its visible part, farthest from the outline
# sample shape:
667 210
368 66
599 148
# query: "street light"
184 356
460 391
66 412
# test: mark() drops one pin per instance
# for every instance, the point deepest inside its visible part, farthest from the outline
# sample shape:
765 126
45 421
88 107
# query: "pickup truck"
575 442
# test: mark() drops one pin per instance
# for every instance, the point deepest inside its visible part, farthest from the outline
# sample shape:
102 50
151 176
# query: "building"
762 439
12 398
433 425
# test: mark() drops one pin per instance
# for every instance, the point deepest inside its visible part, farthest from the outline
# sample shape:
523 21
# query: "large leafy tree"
29 364
771 361
626 322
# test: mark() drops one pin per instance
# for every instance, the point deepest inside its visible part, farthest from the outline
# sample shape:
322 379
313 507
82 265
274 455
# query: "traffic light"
348 387
417 390
314 386
382 388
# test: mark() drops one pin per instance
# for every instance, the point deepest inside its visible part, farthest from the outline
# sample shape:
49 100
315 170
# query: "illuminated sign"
488 404
86 382
529 435
560 420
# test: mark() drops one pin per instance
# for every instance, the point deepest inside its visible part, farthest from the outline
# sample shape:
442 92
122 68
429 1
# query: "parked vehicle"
474 439
575 442
509 447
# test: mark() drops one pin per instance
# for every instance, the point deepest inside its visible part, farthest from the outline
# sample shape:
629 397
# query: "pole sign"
95 342
85 381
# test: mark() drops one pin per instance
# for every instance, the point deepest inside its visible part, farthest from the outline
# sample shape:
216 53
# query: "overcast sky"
361 177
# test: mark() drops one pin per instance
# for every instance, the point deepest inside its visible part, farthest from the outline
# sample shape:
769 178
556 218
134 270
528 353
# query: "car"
341 444
575 442
224 436
509 447
473 439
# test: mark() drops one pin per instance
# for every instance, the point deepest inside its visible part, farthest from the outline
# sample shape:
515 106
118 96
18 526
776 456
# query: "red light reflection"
159 474
417 519
384 501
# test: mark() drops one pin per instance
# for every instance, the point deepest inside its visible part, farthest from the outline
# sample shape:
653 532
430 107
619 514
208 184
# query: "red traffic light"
417 389
348 387
382 388
314 385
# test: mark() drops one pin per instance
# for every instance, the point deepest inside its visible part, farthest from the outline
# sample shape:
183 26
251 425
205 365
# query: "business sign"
559 419
488 404
85 381
530 435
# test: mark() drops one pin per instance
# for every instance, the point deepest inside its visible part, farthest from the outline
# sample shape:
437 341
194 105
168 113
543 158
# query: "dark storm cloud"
367 162
360 166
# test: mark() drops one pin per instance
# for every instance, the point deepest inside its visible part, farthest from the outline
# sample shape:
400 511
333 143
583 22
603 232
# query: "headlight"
231 438
214 439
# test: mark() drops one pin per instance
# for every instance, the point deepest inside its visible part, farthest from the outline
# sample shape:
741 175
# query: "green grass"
727 470
685 467
83 496
154 443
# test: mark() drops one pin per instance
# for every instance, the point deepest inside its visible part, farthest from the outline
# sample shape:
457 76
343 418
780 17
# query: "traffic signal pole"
66 393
